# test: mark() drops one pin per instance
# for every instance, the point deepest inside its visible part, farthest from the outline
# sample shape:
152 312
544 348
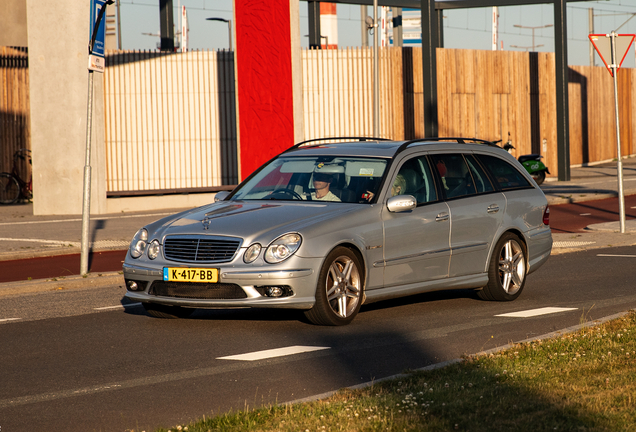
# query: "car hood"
251 220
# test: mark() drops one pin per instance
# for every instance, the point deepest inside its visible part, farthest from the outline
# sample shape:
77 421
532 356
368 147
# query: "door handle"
493 208
442 217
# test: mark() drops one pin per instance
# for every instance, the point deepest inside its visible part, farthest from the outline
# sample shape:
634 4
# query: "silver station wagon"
329 225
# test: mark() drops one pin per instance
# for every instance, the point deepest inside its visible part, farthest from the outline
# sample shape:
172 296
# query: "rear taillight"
546 216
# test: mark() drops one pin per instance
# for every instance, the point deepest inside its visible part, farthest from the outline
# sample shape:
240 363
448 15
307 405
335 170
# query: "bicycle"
12 186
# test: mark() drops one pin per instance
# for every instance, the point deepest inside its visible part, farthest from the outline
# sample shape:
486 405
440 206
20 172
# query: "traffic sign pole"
619 167
608 46
95 64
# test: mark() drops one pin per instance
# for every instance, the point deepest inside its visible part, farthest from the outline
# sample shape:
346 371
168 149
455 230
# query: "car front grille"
200 248
194 290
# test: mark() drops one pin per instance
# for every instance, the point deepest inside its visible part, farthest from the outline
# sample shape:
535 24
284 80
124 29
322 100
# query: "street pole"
96 62
365 31
86 203
229 29
376 73
621 197
591 31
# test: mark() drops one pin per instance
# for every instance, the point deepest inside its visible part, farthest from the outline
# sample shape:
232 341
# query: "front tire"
506 271
167 312
340 288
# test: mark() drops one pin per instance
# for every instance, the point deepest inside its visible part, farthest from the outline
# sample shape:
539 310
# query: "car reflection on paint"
327 227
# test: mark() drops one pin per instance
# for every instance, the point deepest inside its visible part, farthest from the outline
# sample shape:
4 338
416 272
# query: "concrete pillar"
268 79
13 23
58 34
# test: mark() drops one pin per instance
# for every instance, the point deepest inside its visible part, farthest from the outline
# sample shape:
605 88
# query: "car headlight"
153 249
251 253
282 248
139 243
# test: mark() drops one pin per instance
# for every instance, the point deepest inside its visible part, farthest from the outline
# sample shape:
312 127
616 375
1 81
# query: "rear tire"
506 271
9 189
340 288
167 312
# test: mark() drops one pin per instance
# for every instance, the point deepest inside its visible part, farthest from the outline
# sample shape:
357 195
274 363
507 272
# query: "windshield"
313 178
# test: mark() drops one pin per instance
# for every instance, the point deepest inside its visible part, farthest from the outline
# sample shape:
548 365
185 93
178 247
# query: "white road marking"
620 256
535 312
585 214
564 244
118 306
9 319
278 352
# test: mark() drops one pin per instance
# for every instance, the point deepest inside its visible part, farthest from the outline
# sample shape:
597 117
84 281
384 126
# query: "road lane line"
9 319
278 352
226 367
619 256
117 307
535 312
585 214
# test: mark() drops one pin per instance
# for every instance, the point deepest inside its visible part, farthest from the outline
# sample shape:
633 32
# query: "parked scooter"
532 163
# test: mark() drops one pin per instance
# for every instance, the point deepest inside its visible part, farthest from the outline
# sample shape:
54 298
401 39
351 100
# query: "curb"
91 281
44 253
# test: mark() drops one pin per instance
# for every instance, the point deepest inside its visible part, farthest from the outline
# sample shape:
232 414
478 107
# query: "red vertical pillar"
264 86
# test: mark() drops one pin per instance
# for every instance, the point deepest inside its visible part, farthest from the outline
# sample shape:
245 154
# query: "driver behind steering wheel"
321 192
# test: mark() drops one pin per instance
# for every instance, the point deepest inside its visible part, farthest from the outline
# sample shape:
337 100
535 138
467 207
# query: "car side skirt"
461 282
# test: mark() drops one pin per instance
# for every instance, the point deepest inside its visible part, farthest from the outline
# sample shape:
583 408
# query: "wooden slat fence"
171 126
488 94
15 131
338 93
170 122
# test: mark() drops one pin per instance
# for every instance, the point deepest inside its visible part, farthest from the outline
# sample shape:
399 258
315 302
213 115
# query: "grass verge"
582 381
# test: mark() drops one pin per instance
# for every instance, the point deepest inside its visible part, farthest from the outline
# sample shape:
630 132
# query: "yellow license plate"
183 274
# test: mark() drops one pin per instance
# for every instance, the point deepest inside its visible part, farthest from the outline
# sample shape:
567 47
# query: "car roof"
370 147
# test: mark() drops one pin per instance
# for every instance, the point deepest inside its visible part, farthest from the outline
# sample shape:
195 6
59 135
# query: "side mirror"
401 203
220 196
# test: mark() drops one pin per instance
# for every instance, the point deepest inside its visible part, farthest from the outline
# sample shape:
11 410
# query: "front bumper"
298 277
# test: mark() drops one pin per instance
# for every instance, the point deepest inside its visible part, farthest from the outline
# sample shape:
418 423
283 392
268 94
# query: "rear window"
506 175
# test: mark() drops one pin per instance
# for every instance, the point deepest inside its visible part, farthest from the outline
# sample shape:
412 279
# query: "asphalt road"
564 218
68 364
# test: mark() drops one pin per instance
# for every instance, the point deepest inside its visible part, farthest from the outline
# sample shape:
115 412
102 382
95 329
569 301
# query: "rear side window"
506 175
455 173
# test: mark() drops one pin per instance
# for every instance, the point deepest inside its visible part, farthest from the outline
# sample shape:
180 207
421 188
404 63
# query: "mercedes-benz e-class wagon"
330 225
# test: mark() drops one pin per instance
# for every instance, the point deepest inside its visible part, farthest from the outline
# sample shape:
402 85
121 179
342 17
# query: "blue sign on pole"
96 47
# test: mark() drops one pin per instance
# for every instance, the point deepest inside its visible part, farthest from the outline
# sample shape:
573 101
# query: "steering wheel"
284 192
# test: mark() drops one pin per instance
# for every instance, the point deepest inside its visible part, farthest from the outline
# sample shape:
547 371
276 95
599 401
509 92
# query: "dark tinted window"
505 174
455 174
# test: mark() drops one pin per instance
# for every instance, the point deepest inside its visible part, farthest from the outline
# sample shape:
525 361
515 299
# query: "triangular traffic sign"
603 45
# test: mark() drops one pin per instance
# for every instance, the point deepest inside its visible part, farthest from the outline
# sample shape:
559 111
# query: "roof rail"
316 140
459 140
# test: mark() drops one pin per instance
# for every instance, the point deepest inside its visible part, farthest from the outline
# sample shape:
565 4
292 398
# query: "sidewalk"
587 184
23 235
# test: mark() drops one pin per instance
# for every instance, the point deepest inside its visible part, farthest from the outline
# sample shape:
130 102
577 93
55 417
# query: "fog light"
132 285
274 291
